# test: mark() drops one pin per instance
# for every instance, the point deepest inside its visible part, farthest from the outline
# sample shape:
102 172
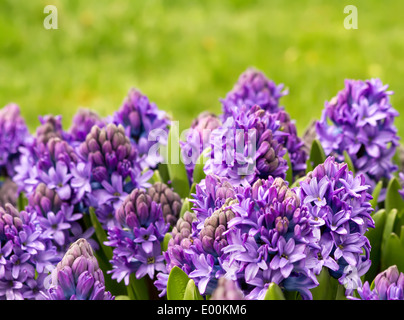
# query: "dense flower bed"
241 207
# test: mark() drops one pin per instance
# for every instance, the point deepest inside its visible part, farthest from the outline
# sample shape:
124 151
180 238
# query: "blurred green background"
185 55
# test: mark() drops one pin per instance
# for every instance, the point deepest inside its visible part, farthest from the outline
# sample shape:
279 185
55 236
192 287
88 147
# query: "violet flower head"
137 238
197 139
360 121
57 218
169 200
78 276
252 88
25 256
269 239
82 122
8 192
13 135
246 147
210 195
112 169
338 204
140 118
388 285
293 144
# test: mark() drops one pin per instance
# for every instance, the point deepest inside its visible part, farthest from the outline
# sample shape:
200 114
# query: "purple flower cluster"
77 276
57 218
252 88
82 122
388 285
197 139
142 120
110 170
259 234
269 240
26 257
246 147
13 135
360 121
137 239
338 204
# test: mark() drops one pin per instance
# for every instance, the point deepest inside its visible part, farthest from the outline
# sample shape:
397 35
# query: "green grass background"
185 55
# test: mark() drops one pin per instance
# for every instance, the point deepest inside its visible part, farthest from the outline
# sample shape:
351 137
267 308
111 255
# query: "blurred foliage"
187 54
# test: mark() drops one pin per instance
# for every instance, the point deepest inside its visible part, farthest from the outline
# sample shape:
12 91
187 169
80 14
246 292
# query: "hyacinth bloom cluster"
211 195
269 240
388 285
26 258
338 203
137 239
13 135
360 121
57 218
259 234
142 119
252 88
82 122
197 139
246 147
169 200
49 158
77 276
110 170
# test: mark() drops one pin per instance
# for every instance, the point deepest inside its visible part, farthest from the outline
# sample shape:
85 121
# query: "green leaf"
166 239
137 288
375 194
348 161
192 292
402 236
289 172
393 197
175 165
100 234
375 236
186 206
323 290
393 253
122 297
22 201
156 177
317 155
199 173
274 292
176 284
388 226
297 182
163 172
192 190
399 222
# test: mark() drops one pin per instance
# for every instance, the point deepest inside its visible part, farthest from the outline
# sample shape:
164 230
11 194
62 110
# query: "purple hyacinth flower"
360 121
252 88
141 119
150 261
245 148
341 220
14 134
77 276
